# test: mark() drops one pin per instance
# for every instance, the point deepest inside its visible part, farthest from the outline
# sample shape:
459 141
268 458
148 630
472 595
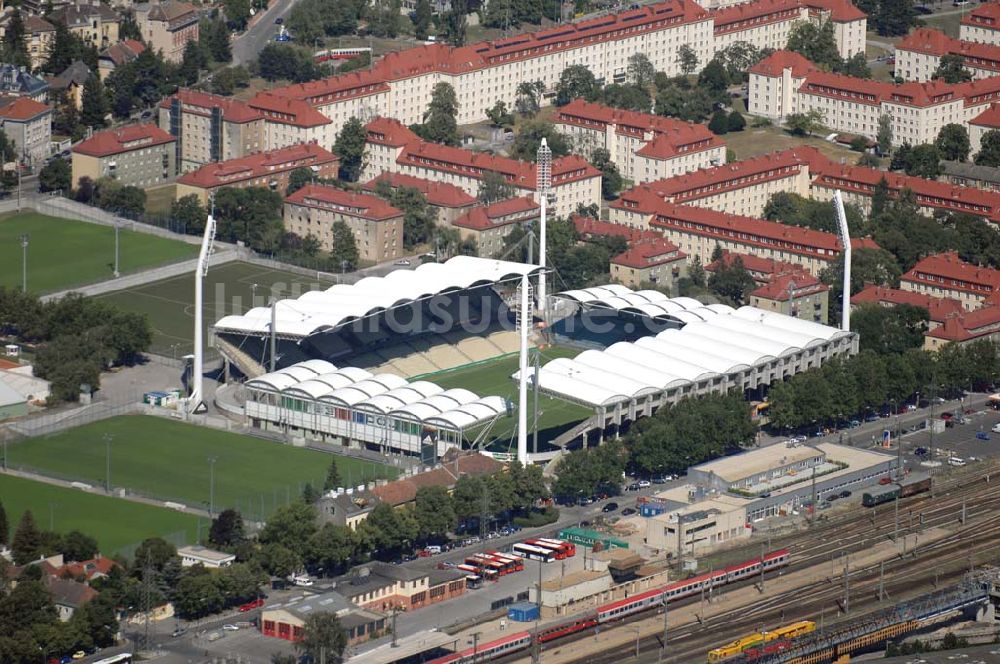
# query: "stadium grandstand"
703 349
408 323
382 411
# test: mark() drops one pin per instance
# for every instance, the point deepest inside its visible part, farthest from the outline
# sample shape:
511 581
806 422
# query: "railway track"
822 543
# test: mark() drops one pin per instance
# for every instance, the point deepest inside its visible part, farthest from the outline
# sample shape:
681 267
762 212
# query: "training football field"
229 289
63 253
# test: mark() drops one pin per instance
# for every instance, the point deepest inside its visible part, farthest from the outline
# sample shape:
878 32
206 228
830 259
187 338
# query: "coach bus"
533 552
567 548
558 552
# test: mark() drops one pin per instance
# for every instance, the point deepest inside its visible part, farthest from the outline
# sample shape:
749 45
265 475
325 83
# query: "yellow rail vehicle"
758 639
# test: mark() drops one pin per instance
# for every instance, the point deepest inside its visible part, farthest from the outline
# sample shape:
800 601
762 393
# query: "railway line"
823 543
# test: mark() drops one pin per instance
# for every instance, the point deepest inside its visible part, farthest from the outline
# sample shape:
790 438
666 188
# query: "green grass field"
168 460
494 378
228 290
752 142
63 253
115 523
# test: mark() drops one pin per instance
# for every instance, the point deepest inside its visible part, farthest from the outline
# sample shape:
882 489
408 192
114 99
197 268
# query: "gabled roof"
982 322
939 308
794 285
124 51
170 10
986 15
288 111
259 164
734 17
125 139
68 593
503 213
438 194
348 202
22 108
647 253
202 103
588 227
841 11
946 270
81 15
75 74
34 24
988 118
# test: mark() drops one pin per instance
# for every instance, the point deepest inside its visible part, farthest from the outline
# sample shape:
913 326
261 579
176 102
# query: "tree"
344 252
434 512
422 15
418 216
894 17
629 97
889 330
26 546
280 561
529 138
736 121
687 60
714 78
953 142
440 124
280 61
95 102
297 179
4 528
217 41
15 43
384 19
720 122
332 480
323 638
884 135
529 97
587 471
494 187
454 23
805 124
290 526
951 69
332 548
55 176
611 181
65 48
237 13
856 66
227 529
192 62
499 115
389 530
527 485
924 161
678 100
310 494
576 82
78 547
350 147
816 43
732 281
157 551
989 149
640 70
188 212
868 160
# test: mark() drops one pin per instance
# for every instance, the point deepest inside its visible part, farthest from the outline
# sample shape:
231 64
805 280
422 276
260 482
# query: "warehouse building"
689 519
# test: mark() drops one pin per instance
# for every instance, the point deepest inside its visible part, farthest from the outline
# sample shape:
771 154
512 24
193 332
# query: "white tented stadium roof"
340 304
644 303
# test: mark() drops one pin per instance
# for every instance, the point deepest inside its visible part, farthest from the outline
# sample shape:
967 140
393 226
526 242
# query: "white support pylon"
524 321
544 183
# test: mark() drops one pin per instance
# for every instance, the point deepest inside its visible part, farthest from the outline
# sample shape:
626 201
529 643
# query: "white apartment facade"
982 24
919 54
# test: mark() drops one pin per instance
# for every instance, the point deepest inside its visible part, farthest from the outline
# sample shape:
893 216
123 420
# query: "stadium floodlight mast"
544 157
524 323
845 240
196 402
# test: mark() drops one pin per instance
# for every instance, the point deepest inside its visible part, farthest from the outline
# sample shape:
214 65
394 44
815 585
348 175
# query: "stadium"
362 364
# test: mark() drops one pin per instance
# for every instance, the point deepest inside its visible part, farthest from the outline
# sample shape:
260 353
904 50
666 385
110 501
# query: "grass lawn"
228 290
168 460
948 24
494 378
116 524
63 253
751 142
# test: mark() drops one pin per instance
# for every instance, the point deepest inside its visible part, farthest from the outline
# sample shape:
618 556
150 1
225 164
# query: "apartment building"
988 120
783 84
946 275
18 81
168 26
644 147
40 35
136 155
95 23
400 84
289 121
376 225
919 54
210 128
393 148
117 55
448 201
651 261
939 309
981 24
28 124
983 324
783 287
262 169
489 225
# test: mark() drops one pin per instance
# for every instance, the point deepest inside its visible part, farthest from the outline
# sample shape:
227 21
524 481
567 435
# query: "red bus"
568 547
511 563
558 552
485 563
473 570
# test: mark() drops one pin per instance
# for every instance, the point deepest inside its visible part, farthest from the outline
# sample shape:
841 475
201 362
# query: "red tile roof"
124 51
438 194
647 253
288 111
976 324
588 227
756 265
761 12
948 271
403 491
89 568
790 286
125 139
777 62
986 15
22 108
348 202
389 131
257 165
988 118
939 308
202 103
510 211
926 40
934 42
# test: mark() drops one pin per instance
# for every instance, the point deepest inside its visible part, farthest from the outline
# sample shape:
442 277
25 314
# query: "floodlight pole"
24 262
524 320
196 402
544 182
845 240
117 227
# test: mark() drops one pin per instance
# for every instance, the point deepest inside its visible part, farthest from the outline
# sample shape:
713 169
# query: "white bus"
533 553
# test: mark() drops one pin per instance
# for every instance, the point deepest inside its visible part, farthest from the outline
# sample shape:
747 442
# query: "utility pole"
881 581
117 227
961 519
534 385
475 646
895 528
211 485
812 516
847 587
665 623
762 567
24 262
395 611
108 437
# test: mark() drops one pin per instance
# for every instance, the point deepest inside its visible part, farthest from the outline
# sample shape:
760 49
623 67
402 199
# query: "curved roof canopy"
338 305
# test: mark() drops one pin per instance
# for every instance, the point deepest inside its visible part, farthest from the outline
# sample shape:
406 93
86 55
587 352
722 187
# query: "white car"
230 628
645 483
996 428
402 262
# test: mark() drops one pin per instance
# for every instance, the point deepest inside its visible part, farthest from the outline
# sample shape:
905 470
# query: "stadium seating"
250 367
506 340
444 355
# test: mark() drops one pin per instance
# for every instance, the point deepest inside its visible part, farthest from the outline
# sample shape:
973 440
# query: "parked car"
920 451
180 631
644 483
610 507
996 428
845 494
585 524
279 21
402 262
584 500
946 416
250 606
229 627
923 9
629 511
79 654
634 486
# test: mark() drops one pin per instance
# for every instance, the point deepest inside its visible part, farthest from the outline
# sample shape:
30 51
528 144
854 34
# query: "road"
249 44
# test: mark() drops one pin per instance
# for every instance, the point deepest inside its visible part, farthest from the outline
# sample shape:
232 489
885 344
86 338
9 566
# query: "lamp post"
108 437
117 228
211 485
24 262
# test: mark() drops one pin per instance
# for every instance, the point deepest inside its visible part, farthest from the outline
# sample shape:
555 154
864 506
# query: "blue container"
523 612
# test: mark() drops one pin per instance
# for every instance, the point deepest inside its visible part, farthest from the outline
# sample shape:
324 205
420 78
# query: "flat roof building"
753 467
197 554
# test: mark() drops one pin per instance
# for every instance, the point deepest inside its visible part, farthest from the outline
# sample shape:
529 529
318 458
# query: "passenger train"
619 610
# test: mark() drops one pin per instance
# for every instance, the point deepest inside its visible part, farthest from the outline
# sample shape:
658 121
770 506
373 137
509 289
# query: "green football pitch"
229 289
63 253
171 460
116 524
493 378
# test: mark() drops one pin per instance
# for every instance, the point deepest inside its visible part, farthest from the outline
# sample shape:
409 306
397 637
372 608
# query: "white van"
956 461
302 580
